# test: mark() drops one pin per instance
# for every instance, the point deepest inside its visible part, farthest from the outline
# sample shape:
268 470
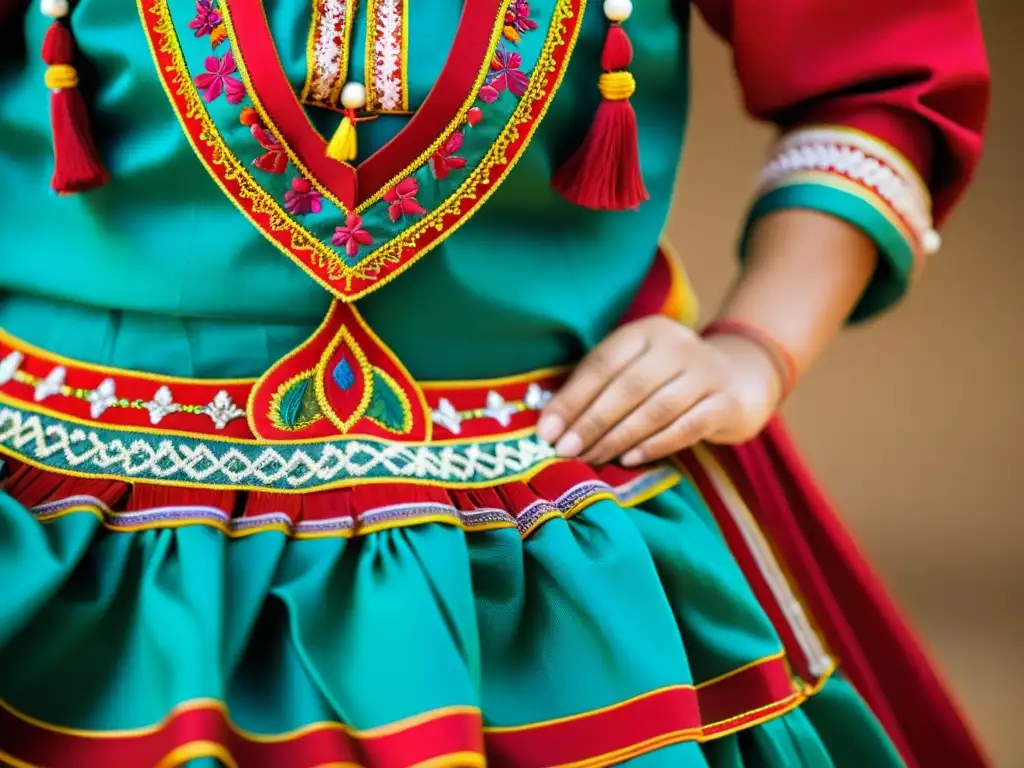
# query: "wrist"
759 352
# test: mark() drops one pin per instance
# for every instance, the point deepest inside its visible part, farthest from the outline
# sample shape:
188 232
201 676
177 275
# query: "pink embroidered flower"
219 78
505 73
445 160
207 18
488 94
352 235
403 199
518 17
302 198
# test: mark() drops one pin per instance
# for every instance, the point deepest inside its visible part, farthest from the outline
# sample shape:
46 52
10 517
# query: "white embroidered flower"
498 409
51 385
222 410
161 405
446 416
9 366
101 398
536 398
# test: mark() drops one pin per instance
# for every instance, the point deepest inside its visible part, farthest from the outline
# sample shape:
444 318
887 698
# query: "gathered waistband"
91 420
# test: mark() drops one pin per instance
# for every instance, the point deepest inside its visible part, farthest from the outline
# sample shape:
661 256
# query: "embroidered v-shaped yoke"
353 228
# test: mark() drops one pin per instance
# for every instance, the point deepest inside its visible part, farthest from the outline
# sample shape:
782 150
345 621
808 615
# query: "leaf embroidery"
388 407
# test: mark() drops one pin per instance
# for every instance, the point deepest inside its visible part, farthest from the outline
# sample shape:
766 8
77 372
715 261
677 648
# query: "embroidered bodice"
161 270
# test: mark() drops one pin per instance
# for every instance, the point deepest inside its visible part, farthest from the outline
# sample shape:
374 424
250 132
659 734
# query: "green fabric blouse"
159 271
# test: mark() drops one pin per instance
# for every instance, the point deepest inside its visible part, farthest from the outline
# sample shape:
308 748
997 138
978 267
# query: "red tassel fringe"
604 173
77 164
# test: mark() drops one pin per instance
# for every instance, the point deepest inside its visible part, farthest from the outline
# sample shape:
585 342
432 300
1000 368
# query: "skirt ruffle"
582 618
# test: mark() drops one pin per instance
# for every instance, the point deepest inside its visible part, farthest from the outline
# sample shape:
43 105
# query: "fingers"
607 360
690 428
662 408
623 395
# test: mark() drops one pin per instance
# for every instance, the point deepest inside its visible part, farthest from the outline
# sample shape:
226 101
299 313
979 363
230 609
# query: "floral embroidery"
302 198
352 235
386 59
219 78
474 116
506 74
274 159
488 94
222 410
208 22
518 21
445 160
161 405
402 199
101 398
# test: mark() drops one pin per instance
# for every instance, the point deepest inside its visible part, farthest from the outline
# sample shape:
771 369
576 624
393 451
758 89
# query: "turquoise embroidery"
386 407
343 375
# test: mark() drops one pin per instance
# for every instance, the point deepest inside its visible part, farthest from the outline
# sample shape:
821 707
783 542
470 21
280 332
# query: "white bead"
55 9
931 242
353 96
618 10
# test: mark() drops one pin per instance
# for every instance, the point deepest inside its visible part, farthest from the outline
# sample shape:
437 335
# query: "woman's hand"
654 387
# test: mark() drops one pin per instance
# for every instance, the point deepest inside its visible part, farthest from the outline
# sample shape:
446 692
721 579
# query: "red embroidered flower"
352 235
403 199
219 78
207 18
446 160
302 198
518 21
505 73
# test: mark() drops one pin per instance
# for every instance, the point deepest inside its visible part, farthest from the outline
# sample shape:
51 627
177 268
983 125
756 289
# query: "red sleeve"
912 73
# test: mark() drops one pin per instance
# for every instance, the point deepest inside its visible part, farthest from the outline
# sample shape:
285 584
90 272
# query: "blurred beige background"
914 423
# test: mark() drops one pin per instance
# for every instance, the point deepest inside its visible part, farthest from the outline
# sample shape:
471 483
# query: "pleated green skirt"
618 630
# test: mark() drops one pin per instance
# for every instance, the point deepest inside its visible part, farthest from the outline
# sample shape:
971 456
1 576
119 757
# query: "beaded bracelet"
783 360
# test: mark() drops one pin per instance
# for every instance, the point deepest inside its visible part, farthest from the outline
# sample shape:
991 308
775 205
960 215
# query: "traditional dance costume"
272 357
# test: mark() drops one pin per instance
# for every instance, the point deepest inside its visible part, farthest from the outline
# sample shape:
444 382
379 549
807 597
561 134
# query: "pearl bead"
618 10
353 96
55 9
931 242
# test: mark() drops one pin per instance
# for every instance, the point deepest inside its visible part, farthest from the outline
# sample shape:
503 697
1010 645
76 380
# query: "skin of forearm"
803 275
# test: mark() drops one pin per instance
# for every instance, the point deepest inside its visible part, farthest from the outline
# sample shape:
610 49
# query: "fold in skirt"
575 619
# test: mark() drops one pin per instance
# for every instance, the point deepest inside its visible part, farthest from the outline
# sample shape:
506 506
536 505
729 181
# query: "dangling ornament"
76 162
343 146
604 173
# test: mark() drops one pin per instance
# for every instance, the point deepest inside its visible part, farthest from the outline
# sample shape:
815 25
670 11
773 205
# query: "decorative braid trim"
864 160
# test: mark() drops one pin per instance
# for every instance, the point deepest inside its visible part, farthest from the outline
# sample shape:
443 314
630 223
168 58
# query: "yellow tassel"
342 146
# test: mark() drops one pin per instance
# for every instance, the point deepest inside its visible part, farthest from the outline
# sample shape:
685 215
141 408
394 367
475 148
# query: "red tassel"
604 173
77 166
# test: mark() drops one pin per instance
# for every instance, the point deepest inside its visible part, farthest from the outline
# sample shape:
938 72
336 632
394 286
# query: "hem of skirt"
748 696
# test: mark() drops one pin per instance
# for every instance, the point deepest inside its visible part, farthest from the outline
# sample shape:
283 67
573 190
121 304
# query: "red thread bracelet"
783 360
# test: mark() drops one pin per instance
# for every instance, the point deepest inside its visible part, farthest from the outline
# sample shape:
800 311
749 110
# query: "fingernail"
550 428
632 458
569 446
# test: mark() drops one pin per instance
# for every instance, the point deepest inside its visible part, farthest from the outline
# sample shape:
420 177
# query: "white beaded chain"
864 160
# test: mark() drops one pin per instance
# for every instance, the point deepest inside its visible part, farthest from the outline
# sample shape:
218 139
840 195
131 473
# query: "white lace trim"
862 159
326 75
388 81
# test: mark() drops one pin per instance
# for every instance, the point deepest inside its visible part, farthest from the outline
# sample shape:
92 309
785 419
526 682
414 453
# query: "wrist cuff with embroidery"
862 180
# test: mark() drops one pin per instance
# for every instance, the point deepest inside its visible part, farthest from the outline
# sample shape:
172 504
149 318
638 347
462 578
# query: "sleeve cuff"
859 179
